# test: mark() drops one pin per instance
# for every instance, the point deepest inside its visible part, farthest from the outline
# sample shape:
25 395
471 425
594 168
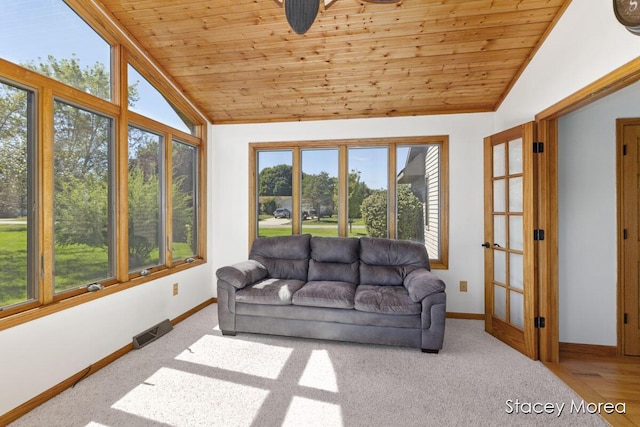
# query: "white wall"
587 218
466 132
586 44
39 354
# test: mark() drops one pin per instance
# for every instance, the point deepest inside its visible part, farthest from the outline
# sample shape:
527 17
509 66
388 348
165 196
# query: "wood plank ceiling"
240 62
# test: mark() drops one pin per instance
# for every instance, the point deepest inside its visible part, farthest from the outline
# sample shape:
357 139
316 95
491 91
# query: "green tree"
275 181
82 147
374 213
13 150
358 191
317 191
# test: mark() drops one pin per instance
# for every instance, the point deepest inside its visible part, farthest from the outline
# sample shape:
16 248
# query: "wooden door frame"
620 124
547 122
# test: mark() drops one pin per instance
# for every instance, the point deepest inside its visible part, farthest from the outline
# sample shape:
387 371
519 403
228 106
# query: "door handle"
486 244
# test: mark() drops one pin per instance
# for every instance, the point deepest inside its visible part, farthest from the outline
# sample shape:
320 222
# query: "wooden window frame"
46 90
342 145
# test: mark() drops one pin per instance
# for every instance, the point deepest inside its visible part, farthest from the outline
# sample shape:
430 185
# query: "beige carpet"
195 377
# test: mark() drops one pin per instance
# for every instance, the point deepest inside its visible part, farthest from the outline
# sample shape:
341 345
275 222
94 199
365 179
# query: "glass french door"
510 285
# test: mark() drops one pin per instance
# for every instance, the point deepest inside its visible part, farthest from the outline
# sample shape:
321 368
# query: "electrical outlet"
463 286
175 289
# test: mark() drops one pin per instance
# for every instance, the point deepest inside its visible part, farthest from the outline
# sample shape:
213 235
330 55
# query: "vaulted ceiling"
240 61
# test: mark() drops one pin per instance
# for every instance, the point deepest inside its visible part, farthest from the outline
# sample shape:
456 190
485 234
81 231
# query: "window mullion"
45 197
168 205
343 191
392 202
122 167
296 190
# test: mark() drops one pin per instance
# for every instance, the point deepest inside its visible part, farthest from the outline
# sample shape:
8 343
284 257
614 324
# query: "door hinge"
539 322
625 319
538 147
624 150
538 234
624 234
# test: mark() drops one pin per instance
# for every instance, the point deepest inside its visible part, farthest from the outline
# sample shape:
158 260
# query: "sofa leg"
229 333
426 350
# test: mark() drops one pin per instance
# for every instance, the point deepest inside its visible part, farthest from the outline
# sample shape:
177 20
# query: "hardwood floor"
603 378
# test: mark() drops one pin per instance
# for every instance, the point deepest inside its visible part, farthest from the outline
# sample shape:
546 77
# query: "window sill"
30 314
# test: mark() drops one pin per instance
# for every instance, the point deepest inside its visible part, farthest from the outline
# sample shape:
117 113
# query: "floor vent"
152 334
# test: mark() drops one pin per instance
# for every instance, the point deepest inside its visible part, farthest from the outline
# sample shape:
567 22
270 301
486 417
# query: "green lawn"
325 227
76 265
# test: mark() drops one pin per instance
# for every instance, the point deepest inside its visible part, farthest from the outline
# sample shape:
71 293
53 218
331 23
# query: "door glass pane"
516 270
516 309
16 180
499 203
500 302
319 210
500 230
515 156
498 160
515 194
368 214
31 30
499 266
515 233
83 225
184 196
146 225
274 193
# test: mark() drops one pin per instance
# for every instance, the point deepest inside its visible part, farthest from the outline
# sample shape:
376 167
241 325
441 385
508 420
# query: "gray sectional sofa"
367 290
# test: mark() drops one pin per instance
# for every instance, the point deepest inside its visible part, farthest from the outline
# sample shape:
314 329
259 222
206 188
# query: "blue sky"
32 29
371 162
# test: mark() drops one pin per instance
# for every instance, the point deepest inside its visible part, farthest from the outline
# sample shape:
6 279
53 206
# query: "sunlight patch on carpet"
319 372
309 412
179 398
236 355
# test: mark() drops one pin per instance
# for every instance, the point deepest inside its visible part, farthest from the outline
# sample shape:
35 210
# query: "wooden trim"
591 350
606 85
63 304
548 306
194 310
343 145
468 316
102 21
45 196
43 397
533 52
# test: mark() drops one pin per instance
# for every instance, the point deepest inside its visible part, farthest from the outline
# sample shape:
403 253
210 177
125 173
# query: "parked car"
282 213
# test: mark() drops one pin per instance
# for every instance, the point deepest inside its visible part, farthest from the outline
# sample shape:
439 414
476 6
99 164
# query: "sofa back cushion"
334 259
387 261
285 257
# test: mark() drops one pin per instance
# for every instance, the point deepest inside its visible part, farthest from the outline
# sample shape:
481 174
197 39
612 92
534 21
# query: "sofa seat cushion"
269 291
385 299
328 294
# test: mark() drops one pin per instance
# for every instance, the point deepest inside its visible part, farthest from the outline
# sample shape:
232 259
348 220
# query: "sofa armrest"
422 282
243 273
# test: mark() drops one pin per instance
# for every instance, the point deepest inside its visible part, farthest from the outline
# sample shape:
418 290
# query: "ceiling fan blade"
382 1
301 14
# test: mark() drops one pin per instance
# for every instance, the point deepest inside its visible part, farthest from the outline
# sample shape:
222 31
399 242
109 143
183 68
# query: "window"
185 197
145 99
146 222
319 202
48 37
17 225
83 224
91 191
274 193
393 187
